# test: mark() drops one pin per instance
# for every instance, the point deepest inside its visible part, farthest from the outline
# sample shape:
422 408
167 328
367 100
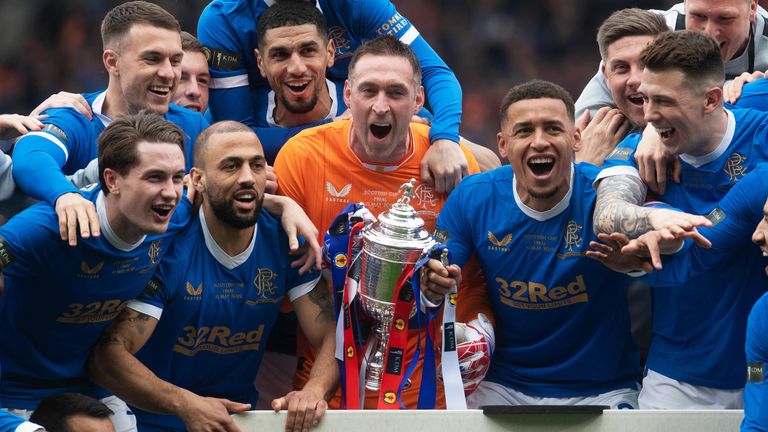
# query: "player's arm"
618 209
317 319
229 90
38 159
112 365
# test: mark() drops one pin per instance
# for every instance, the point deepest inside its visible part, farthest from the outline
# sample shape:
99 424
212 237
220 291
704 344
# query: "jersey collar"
107 230
699 161
222 257
546 214
97 107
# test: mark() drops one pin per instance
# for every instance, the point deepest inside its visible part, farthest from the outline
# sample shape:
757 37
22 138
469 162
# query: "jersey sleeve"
756 389
39 157
29 240
594 96
229 92
738 213
379 17
621 161
453 230
12 423
156 294
472 165
298 285
7 185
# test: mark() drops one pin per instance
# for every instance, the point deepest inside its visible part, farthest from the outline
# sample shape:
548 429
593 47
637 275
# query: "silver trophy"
397 238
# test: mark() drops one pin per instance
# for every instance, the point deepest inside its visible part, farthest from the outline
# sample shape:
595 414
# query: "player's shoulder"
222 9
316 135
478 183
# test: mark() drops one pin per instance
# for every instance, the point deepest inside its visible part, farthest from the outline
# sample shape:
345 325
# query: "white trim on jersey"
616 171
52 138
547 214
28 427
699 161
409 36
229 82
145 308
97 108
218 253
109 234
300 290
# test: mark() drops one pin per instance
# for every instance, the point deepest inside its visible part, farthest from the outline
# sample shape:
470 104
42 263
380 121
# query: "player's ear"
331 53
501 142
259 62
419 99
110 59
347 91
197 178
714 98
110 181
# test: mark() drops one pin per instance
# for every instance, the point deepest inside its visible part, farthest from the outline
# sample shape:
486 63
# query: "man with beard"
218 293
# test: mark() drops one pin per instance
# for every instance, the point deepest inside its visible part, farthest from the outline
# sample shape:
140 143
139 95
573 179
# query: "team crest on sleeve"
266 290
225 60
734 167
620 153
6 256
573 239
154 286
755 372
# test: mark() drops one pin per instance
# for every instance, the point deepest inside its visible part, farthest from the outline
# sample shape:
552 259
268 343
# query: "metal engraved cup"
396 239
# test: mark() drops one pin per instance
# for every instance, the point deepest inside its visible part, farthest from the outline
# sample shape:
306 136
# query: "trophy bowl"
396 239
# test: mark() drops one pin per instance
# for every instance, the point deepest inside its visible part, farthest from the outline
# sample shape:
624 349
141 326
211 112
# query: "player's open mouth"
297 86
665 133
245 199
380 130
160 90
163 210
635 99
542 165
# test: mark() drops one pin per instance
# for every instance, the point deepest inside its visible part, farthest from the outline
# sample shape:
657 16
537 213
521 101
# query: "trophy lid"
400 227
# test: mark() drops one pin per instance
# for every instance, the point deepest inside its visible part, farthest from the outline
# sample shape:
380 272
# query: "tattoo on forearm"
321 297
619 206
135 321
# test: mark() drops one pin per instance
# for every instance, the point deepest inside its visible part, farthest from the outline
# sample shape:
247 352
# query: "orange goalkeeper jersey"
318 169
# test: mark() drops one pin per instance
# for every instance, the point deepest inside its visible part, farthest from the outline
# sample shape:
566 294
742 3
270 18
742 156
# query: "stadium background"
52 45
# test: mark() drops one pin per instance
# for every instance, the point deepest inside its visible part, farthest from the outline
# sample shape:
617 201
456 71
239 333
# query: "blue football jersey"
68 143
217 312
58 298
753 95
756 390
698 327
562 322
9 422
239 92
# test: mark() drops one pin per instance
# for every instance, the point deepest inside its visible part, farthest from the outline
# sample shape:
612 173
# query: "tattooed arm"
318 321
112 365
618 209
